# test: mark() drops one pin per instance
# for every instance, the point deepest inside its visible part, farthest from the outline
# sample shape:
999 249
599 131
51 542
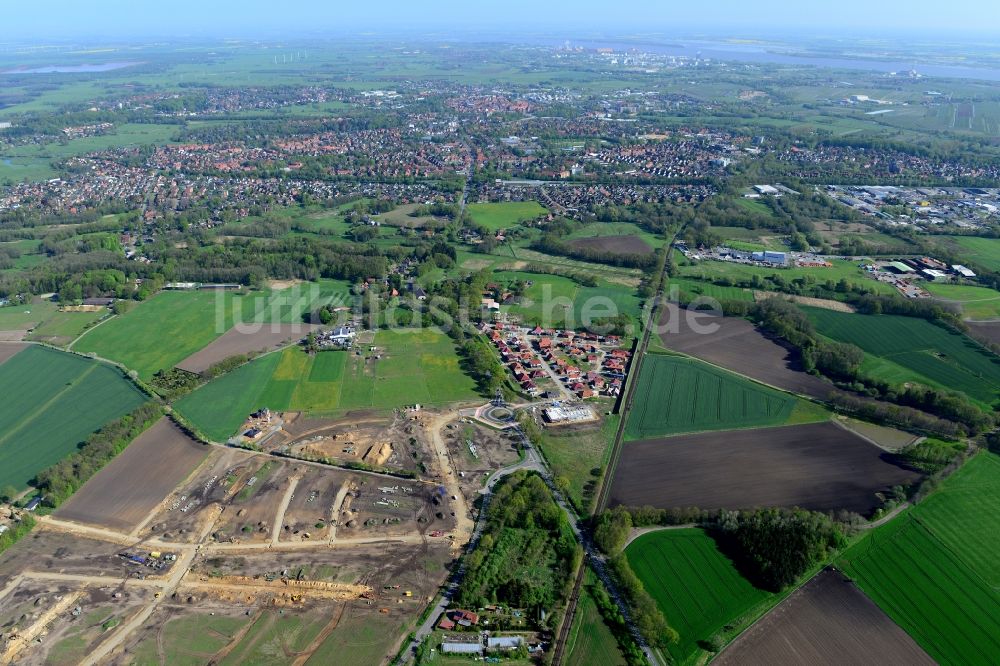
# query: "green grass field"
676 395
698 589
575 455
553 300
63 327
984 252
934 570
161 332
166 329
417 366
290 305
918 350
708 270
695 288
505 214
590 641
979 303
51 402
606 229
22 317
190 639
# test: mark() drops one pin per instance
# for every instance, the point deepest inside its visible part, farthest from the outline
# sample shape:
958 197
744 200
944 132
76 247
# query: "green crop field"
984 252
677 394
697 587
977 302
919 351
52 402
505 214
934 570
590 641
416 366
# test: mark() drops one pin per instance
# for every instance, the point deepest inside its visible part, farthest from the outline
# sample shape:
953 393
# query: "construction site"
250 555
395 444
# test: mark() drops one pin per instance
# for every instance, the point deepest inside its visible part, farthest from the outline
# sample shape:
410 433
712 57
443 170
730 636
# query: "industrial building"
770 257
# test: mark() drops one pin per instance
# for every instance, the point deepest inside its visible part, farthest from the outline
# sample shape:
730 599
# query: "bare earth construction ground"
737 345
250 559
135 482
238 341
819 466
827 621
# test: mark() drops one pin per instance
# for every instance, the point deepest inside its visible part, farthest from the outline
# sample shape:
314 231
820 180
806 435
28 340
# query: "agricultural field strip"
943 589
692 584
827 618
917 345
43 407
819 466
930 570
64 398
734 402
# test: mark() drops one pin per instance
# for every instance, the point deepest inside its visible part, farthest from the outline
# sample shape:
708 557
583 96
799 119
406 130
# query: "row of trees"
61 480
955 413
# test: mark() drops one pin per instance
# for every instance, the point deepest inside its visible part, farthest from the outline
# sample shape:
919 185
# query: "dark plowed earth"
244 340
737 345
8 349
985 330
137 480
818 466
828 621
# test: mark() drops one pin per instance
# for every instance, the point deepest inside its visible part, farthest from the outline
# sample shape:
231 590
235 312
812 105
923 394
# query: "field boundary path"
69 346
596 560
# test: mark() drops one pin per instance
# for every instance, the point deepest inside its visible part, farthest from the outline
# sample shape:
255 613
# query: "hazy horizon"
121 20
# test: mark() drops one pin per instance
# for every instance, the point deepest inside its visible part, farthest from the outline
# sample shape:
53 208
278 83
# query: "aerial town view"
569 333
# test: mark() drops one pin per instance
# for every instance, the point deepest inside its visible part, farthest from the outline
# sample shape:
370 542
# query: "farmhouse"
100 302
342 336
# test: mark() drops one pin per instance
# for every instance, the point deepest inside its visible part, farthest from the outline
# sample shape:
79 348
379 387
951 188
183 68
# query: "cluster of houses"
484 642
527 352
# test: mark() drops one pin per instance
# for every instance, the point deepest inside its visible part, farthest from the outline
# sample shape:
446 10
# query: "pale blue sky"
25 20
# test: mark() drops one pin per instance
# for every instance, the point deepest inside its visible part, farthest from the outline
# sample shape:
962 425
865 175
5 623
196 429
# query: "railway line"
596 559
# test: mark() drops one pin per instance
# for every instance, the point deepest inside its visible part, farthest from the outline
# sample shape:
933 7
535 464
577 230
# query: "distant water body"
757 53
72 69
